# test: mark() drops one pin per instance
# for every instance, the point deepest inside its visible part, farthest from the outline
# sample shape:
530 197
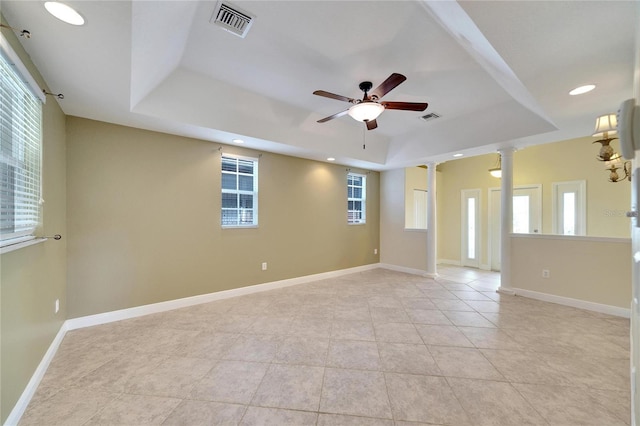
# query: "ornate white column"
506 219
432 240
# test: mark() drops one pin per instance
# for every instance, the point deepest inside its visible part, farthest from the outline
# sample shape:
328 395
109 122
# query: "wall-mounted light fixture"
496 171
606 127
616 163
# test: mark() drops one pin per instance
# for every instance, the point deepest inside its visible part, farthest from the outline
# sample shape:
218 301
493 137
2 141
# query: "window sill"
356 224
21 244
239 227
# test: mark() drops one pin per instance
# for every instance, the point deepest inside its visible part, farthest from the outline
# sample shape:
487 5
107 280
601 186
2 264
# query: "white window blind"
356 198
239 191
20 155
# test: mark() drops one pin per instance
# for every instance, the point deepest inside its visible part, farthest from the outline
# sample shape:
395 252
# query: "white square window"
356 198
239 191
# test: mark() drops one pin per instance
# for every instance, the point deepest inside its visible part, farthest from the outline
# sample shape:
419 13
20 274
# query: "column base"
430 275
506 290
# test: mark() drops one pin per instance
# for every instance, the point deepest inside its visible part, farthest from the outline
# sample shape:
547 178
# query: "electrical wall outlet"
264 266
57 306
375 251
546 273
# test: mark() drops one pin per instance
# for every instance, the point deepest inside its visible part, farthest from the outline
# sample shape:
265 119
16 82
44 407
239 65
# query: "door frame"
464 261
581 204
491 211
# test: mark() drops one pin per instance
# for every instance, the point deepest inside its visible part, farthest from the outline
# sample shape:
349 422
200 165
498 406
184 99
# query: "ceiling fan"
370 107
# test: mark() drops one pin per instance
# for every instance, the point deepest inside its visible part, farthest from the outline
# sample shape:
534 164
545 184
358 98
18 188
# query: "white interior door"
470 243
527 217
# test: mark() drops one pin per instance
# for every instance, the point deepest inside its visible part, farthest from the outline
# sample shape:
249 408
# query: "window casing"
239 191
569 208
356 198
20 154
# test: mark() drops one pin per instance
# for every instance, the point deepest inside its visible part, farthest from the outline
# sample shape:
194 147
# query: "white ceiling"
498 72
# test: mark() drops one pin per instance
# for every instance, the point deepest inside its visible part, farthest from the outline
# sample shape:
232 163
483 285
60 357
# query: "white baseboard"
122 314
18 410
506 290
576 303
485 267
404 269
449 262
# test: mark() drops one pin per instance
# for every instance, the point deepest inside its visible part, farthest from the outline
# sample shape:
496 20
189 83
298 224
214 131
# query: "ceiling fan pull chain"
364 133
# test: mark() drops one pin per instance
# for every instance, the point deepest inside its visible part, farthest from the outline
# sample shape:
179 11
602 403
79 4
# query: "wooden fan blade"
336 115
333 96
407 106
388 85
371 124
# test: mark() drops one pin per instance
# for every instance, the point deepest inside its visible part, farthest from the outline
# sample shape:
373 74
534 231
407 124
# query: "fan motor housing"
365 86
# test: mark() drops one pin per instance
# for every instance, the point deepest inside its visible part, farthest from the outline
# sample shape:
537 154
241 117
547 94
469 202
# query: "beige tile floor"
371 348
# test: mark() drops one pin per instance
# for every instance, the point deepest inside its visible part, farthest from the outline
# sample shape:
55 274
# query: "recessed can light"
458 155
64 12
237 141
331 159
582 89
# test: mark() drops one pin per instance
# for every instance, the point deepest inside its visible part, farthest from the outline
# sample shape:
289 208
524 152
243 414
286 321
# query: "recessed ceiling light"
582 89
237 141
331 159
64 12
458 155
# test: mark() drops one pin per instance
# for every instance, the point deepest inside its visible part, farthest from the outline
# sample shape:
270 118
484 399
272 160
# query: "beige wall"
592 269
144 219
570 160
415 178
33 277
543 164
400 246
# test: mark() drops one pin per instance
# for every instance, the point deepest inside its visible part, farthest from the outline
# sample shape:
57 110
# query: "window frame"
29 143
363 200
579 188
238 191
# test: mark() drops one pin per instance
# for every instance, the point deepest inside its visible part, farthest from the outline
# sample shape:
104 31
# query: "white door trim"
464 195
491 210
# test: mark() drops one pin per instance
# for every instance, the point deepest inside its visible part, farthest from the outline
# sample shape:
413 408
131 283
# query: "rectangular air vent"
231 18
430 116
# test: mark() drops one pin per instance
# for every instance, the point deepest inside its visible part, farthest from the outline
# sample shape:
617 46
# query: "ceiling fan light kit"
366 111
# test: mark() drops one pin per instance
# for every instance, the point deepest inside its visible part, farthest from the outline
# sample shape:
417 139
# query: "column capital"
509 150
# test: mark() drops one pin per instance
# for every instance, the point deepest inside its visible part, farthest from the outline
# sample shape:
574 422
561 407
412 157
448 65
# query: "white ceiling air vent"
231 18
430 116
